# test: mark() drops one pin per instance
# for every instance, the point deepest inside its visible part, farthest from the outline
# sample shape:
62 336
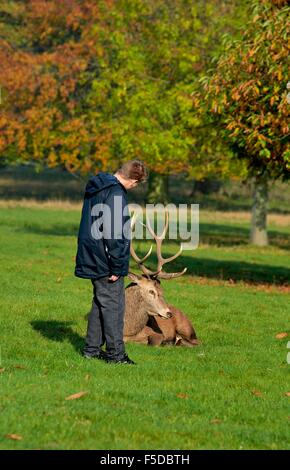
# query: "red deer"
148 318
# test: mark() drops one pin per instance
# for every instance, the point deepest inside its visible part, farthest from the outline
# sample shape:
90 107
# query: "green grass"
201 398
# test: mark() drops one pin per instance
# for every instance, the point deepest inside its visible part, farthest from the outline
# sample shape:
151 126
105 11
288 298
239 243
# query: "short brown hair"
134 170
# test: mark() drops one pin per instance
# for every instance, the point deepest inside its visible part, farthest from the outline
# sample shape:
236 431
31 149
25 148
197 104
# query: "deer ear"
134 277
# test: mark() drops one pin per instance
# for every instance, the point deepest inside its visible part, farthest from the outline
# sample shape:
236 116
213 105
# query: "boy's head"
132 173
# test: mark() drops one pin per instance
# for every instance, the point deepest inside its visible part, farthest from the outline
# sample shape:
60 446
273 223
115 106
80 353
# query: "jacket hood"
101 181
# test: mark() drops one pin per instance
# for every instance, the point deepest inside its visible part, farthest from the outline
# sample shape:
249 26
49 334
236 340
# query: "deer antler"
161 261
138 260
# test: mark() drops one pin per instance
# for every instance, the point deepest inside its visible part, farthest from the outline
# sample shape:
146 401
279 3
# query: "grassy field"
228 393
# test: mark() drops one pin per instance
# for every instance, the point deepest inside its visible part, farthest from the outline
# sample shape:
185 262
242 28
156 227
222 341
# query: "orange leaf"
216 421
281 335
14 437
257 393
76 395
182 395
287 394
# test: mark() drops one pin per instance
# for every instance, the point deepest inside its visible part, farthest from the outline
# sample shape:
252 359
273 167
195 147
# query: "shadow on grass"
230 235
58 230
210 234
236 270
222 269
59 331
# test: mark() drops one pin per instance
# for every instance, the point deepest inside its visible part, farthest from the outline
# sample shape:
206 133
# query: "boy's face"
130 184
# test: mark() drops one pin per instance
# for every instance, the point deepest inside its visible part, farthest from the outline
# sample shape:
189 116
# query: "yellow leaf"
75 396
281 335
14 437
182 395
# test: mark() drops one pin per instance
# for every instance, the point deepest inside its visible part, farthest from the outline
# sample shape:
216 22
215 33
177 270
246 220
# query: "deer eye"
151 292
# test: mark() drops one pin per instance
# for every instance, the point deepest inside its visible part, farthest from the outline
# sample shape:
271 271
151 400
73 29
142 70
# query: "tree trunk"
158 188
259 234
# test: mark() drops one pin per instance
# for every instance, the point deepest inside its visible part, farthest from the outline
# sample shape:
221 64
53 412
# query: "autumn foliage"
87 83
247 92
41 114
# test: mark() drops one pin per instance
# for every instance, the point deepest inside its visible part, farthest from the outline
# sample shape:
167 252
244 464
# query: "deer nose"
168 315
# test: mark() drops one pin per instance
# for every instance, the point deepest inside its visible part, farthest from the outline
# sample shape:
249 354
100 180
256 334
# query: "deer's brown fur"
147 318
143 300
177 330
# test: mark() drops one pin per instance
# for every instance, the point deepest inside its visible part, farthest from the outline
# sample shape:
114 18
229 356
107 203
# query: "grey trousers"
106 319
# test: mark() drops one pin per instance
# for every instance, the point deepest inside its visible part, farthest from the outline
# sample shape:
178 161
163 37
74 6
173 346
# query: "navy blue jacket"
103 248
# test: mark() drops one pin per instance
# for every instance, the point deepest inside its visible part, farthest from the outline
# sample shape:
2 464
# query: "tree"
42 117
175 41
245 96
87 84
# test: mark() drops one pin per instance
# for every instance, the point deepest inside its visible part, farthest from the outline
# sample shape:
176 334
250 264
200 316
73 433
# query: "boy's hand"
113 278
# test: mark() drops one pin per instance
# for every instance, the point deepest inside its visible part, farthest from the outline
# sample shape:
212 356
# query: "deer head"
152 295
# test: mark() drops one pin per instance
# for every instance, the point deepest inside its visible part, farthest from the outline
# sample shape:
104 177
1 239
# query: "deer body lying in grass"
148 318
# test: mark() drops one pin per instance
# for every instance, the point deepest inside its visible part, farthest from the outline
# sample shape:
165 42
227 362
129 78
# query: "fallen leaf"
76 395
2 370
257 393
182 395
19 366
216 421
14 437
87 377
281 335
287 394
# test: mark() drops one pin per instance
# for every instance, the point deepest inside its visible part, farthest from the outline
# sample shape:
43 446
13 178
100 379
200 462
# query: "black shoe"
120 360
95 355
